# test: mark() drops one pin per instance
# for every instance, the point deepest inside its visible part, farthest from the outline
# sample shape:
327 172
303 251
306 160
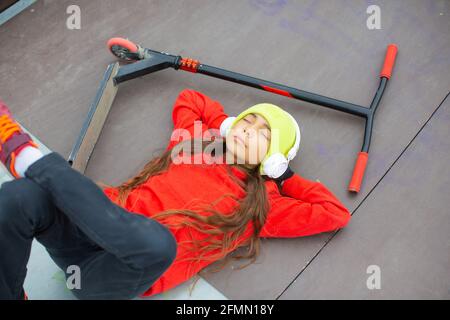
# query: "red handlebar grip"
389 60
358 172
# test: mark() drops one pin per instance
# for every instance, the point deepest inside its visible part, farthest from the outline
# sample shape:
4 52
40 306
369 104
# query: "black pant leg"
67 213
26 212
135 239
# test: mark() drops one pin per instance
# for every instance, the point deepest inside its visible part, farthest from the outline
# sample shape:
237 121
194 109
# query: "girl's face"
249 139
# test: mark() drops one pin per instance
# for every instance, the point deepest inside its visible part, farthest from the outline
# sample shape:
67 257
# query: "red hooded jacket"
302 208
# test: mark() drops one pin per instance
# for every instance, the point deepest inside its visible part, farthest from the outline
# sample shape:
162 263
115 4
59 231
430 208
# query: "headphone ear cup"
275 165
225 126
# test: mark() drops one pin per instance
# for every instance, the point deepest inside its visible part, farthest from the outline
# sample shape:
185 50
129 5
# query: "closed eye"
264 135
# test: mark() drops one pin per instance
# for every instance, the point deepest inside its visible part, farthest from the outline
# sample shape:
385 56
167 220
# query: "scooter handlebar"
389 61
358 172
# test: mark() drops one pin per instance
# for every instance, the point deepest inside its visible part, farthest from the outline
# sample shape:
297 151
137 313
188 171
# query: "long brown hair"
222 230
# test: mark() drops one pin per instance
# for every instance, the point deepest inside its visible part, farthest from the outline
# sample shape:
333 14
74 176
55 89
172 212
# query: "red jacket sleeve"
303 208
191 106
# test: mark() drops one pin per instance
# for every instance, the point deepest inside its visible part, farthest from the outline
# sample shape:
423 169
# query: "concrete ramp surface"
401 222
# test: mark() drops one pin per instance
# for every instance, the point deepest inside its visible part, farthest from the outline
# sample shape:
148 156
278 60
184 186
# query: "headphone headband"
293 151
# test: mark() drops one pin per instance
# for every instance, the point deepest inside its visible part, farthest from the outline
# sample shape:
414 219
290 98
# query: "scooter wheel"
123 49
